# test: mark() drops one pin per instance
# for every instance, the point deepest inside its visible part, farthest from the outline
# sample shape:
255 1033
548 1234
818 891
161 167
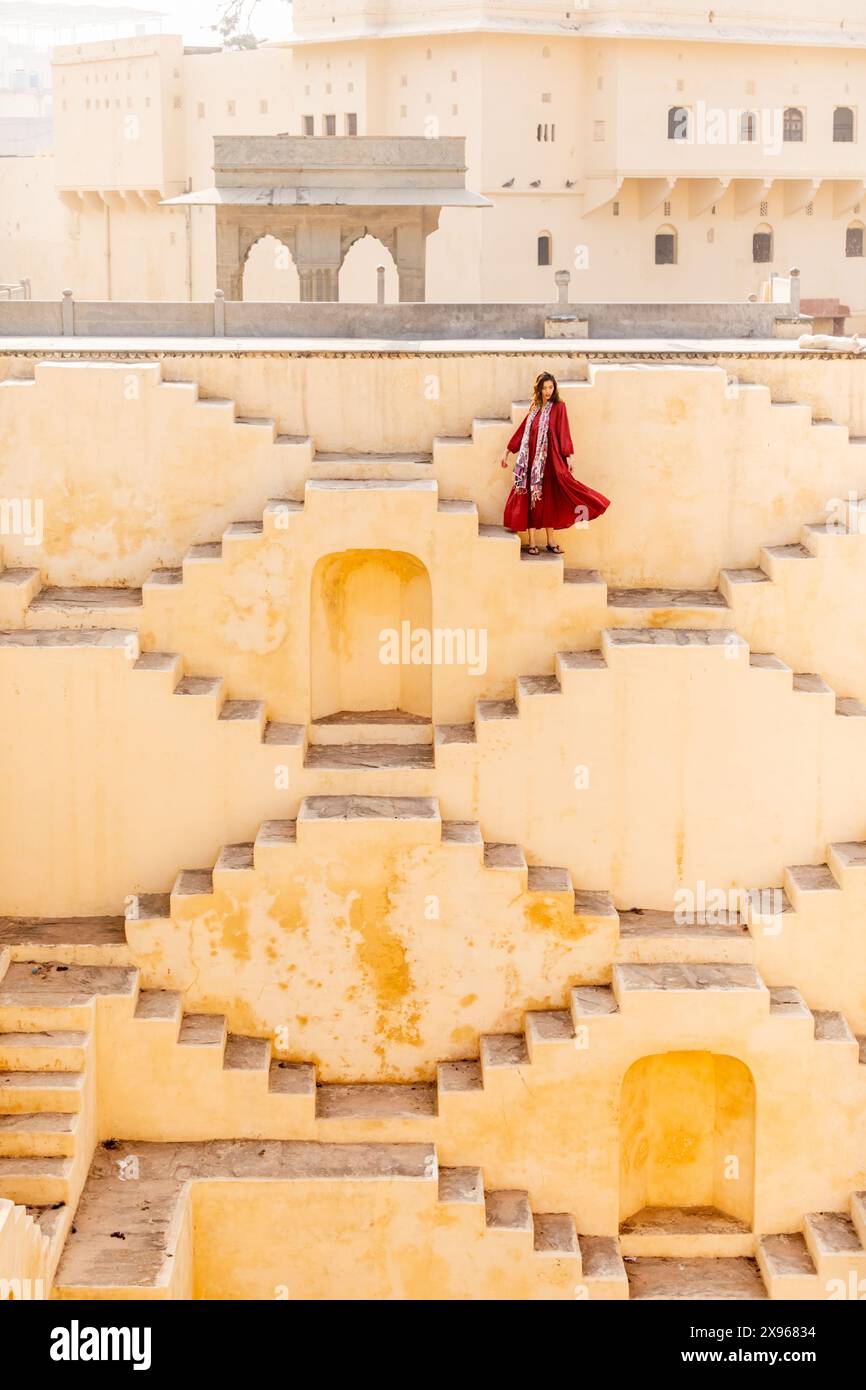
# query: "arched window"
854 239
679 127
666 246
545 249
792 125
843 125
748 127
762 245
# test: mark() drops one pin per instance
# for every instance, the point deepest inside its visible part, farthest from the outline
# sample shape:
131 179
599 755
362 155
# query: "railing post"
67 314
795 292
219 314
562 280
380 284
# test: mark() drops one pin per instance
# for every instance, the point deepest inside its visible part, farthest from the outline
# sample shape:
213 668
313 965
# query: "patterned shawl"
522 464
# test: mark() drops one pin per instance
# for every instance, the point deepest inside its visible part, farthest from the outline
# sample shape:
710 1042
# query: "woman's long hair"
537 388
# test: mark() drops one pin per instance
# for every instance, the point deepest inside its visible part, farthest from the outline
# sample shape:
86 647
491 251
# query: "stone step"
20 585
372 757
652 937
292 1079
809 683
658 605
788 1002
346 466
274 839
247 1054
25 1092
71 940
555 1233
231 861
375 1102
668 1280
507 858
251 712
93 604
159 1006
834 1244
547 1028
461 1186
192 883
503 1050
619 643
459 1078
35 1181
49 996
208 552
592 1002
242 531
833 1027
43 1051
285 735
124 1238
679 1232
508 1210
454 733
318 810
494 711
204 1030
847 863
550 881
787 1267
202 688
462 832
43 1134
603 1268
371 726
630 982
531 687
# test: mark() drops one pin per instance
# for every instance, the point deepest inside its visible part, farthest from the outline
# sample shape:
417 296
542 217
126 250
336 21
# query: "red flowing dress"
563 499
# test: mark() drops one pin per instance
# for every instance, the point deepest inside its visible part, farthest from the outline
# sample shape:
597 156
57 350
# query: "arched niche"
687 1135
365 608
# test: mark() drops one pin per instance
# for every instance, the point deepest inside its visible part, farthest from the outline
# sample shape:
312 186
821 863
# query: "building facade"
656 151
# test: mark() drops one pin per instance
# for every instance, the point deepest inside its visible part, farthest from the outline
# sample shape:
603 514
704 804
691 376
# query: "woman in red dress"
545 495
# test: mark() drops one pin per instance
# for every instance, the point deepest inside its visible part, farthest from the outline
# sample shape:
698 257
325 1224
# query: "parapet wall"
46 318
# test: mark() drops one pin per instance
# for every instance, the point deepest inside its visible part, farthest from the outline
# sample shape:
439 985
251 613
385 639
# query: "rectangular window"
309 123
762 248
330 123
854 241
598 130
351 123
201 110
665 249
263 108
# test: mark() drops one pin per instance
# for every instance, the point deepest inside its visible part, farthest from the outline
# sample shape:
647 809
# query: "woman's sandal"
555 550
533 550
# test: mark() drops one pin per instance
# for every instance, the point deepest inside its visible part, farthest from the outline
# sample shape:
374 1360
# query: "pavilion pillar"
318 256
230 270
410 255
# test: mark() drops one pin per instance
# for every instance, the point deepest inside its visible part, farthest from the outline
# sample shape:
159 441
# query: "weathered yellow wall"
362 939
687 1134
